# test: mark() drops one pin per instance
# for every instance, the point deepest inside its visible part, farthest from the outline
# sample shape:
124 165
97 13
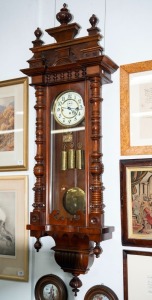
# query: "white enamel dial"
69 109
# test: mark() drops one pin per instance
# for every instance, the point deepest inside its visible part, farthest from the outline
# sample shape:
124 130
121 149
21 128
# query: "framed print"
136 108
13 234
14 124
137 274
50 287
136 202
100 292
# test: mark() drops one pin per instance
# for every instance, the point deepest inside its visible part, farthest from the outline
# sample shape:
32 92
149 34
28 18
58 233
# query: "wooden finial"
38 41
75 283
64 17
37 245
93 21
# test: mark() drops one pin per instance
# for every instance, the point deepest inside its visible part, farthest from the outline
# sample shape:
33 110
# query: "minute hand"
73 108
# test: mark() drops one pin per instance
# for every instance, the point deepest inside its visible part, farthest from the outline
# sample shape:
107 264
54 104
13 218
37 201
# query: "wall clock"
68 204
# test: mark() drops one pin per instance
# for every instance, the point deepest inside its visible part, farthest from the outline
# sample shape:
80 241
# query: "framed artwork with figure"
100 292
50 286
13 234
136 202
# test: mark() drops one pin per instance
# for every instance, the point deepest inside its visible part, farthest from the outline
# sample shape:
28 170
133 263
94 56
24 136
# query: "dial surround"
68 109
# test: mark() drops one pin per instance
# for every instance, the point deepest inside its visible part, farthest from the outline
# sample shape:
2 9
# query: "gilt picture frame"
14 124
137 276
100 292
136 108
136 202
13 234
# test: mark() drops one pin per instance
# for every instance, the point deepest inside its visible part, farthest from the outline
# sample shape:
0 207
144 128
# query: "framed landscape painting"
136 202
13 234
14 124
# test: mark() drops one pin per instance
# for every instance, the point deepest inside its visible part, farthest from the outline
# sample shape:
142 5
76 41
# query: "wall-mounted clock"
68 205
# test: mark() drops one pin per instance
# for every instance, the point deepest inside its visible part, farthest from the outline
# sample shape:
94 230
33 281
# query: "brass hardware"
71 159
64 160
80 157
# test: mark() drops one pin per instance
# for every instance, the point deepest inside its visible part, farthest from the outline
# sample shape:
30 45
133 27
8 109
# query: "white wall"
126 25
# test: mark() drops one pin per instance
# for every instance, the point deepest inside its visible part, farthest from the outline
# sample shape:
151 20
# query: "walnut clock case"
68 204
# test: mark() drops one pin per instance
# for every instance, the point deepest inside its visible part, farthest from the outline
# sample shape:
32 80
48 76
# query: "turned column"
96 167
39 171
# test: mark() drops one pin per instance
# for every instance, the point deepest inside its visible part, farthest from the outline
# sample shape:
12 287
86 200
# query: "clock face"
69 109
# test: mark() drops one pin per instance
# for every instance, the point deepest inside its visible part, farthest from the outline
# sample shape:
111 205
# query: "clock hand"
70 108
73 108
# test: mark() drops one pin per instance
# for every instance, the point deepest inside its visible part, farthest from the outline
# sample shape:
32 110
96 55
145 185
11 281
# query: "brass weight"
80 159
64 160
71 159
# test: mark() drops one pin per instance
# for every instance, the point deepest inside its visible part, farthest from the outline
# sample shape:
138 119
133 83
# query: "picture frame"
14 124
13 234
136 202
100 292
50 285
135 108
137 276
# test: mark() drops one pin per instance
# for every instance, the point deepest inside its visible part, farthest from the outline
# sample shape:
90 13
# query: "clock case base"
70 62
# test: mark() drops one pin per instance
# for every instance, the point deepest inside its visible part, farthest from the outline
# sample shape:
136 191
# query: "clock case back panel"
76 64
62 180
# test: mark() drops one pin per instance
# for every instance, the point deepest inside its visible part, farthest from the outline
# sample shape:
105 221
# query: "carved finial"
93 20
97 250
64 17
75 283
38 41
37 245
38 33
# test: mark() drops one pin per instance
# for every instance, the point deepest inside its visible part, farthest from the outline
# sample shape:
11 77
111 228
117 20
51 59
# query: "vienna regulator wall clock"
68 204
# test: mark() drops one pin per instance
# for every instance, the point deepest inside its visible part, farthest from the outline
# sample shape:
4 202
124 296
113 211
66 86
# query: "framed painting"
136 108
137 275
14 124
100 292
13 234
50 287
136 202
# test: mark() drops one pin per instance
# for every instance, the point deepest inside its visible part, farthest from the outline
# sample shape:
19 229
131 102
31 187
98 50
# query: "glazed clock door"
67 151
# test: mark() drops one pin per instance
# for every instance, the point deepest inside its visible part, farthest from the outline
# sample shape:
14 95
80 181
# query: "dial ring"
68 108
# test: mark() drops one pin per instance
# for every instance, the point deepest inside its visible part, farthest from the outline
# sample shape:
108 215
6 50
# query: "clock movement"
68 193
